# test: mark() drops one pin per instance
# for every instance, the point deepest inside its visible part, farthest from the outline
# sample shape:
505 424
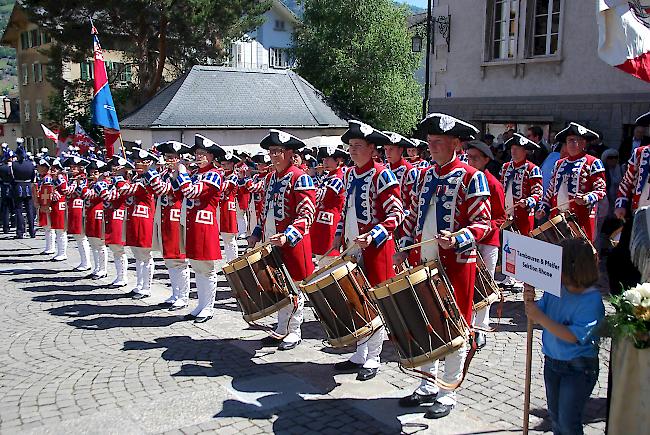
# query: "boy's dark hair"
537 131
579 263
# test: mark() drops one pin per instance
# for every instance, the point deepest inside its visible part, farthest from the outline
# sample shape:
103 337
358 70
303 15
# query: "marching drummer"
285 222
635 185
228 223
415 154
451 204
578 180
479 155
372 211
329 203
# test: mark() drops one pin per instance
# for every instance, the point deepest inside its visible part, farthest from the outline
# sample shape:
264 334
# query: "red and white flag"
50 134
81 138
63 145
624 35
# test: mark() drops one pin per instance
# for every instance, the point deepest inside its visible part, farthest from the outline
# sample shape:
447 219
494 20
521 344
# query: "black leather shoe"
366 374
130 294
438 410
139 296
417 399
270 341
481 340
288 346
347 366
202 319
189 317
165 304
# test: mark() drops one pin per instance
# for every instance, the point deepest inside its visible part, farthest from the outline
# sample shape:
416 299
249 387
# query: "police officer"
6 192
23 175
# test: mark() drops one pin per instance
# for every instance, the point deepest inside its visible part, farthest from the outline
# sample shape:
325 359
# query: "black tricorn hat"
359 130
98 164
138 153
575 129
335 151
446 125
202 142
173 147
75 160
522 141
399 140
281 139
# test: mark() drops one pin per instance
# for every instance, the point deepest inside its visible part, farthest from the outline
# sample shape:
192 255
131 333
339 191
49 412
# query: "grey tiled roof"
222 97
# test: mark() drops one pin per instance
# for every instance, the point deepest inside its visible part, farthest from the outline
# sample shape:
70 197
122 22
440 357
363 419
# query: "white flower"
395 138
523 141
644 290
283 137
645 303
633 296
366 129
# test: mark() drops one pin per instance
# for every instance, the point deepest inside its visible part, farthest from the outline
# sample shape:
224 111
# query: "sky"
419 3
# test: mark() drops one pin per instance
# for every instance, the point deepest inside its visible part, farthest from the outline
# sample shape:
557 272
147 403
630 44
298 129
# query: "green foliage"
626 323
358 52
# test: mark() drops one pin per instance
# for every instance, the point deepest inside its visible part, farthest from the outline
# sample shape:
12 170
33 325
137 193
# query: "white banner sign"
532 261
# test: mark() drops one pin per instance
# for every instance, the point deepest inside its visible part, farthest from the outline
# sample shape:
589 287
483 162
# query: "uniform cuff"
293 235
464 241
621 202
379 235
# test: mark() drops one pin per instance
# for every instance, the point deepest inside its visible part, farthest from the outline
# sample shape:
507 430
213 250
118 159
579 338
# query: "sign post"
538 264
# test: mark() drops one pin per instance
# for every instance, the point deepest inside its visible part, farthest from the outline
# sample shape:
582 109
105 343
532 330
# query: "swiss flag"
624 35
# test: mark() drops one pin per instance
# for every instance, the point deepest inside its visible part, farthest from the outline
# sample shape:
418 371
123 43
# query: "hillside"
8 73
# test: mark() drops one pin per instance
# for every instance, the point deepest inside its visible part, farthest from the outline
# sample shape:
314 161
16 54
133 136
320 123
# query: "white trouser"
205 272
229 246
84 250
242 221
453 372
144 267
121 264
369 349
179 275
50 236
490 256
61 244
252 218
290 324
100 258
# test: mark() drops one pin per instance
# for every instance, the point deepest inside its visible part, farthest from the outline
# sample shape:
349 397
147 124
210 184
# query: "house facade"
268 46
513 63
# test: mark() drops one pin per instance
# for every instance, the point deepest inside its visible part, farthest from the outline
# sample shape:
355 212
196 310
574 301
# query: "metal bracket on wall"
444 27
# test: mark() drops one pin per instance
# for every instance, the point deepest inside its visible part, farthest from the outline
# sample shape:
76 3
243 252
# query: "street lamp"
416 44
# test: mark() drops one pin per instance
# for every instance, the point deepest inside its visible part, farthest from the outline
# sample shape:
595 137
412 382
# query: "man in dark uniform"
6 194
24 174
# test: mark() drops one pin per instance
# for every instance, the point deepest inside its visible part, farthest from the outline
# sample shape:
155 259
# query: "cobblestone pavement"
77 357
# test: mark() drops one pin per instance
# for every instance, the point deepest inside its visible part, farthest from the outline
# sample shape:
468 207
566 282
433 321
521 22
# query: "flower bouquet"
632 317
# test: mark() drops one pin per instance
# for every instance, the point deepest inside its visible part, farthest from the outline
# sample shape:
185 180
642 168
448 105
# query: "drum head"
250 257
403 281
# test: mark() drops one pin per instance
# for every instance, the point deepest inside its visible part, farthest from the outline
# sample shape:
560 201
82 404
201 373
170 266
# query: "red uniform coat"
44 197
114 210
498 212
58 203
374 192
75 206
290 202
461 198
140 211
257 187
330 197
525 179
171 203
94 207
635 179
583 175
228 203
243 193
203 190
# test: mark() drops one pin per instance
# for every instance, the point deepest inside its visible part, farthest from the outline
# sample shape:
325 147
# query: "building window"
28 114
30 143
39 110
86 70
25 72
40 143
278 58
544 26
37 72
24 41
279 25
503 18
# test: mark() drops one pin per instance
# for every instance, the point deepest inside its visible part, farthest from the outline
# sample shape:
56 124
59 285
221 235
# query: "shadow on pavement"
84 310
595 411
63 288
66 297
110 322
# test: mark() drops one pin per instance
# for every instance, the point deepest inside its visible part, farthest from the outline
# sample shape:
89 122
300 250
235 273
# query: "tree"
153 34
358 53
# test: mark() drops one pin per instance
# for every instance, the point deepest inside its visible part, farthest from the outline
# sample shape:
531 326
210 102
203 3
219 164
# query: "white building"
520 62
267 46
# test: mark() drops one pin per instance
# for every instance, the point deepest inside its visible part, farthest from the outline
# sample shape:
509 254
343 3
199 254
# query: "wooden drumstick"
557 207
329 251
417 245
